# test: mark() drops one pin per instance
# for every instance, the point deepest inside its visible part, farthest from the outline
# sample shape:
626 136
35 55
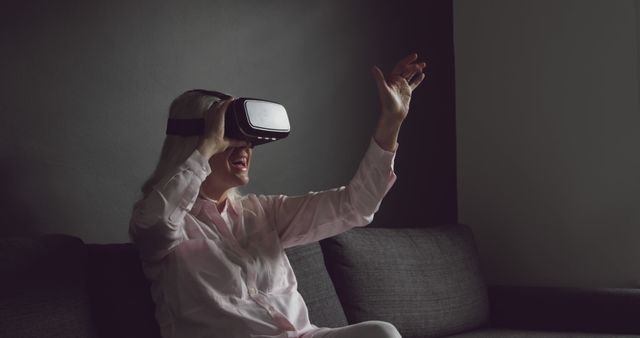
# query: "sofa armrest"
565 309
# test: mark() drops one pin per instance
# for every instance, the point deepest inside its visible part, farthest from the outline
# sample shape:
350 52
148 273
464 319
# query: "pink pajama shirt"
226 274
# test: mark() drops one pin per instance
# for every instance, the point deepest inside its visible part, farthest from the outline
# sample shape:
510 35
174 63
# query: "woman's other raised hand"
395 92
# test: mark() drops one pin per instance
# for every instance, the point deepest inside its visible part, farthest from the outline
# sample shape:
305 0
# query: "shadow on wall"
18 216
26 184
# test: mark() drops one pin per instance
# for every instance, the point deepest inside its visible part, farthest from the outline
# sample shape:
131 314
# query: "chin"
242 180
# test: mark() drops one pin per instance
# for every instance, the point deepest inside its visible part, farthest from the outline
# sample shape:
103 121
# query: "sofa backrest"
315 286
119 292
425 281
43 287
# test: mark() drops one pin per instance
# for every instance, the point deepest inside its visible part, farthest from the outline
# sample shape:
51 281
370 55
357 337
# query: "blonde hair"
175 148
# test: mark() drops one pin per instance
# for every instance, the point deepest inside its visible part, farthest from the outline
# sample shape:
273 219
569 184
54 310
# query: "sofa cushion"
425 281
43 289
315 286
120 295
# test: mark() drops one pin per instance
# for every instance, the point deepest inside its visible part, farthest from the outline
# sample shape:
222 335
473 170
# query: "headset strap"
192 127
185 127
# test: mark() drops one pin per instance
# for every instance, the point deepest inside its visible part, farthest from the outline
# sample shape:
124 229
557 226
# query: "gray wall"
548 131
87 85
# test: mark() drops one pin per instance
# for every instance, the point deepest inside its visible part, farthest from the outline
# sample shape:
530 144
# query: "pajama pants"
369 329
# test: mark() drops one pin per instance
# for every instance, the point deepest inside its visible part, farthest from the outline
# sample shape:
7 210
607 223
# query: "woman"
216 260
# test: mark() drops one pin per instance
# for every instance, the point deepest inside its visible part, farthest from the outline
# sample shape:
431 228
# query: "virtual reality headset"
253 120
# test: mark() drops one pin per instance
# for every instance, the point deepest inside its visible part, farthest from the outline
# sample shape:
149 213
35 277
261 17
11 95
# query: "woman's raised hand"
212 140
395 95
395 90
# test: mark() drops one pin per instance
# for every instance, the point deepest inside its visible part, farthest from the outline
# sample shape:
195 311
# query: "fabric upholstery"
315 286
120 297
43 288
426 281
508 333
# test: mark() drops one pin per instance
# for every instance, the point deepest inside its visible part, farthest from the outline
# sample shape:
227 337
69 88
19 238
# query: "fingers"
219 107
410 70
214 120
213 112
415 75
400 66
379 78
415 82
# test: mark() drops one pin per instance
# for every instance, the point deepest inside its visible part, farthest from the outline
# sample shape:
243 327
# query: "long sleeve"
157 221
318 215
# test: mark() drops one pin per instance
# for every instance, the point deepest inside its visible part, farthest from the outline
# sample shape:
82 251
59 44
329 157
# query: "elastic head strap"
185 127
191 127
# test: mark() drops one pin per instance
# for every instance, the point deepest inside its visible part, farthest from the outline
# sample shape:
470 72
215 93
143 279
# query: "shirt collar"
204 202
231 206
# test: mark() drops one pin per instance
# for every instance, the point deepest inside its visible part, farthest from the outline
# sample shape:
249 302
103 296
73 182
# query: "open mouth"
239 163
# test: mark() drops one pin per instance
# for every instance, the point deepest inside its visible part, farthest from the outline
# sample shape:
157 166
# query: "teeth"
242 161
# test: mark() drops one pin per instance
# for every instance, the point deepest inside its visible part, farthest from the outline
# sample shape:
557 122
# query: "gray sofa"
426 281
